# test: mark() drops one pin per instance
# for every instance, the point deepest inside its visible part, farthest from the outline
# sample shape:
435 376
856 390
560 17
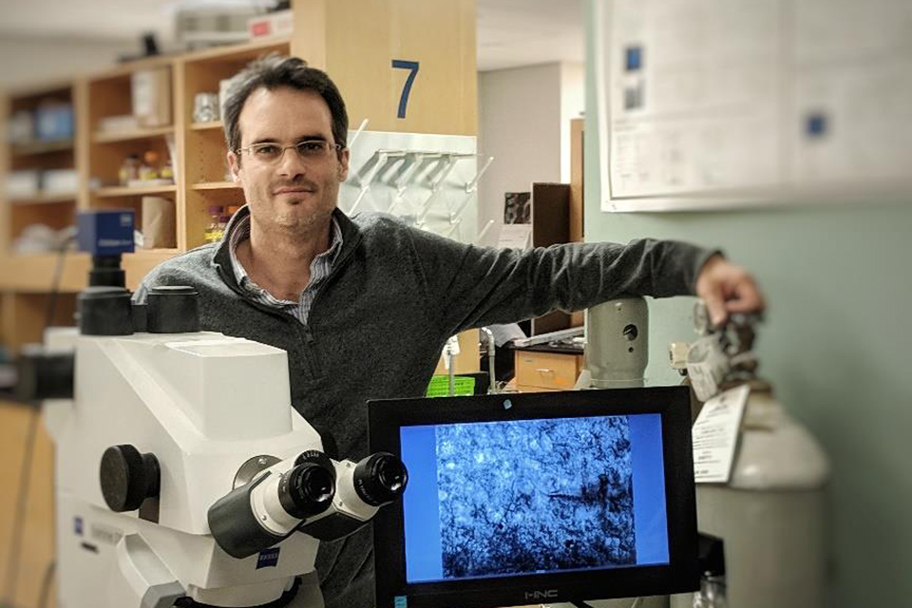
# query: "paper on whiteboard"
689 83
722 103
715 435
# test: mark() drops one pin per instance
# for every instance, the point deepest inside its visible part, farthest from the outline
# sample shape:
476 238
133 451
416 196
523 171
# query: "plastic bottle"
129 170
216 228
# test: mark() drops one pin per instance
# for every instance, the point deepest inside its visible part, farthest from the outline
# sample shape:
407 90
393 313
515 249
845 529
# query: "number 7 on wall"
412 66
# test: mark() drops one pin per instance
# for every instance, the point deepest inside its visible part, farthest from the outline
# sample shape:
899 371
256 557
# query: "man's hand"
727 288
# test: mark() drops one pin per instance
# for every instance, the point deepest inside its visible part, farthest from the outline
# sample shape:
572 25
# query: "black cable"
15 551
14 555
46 584
55 283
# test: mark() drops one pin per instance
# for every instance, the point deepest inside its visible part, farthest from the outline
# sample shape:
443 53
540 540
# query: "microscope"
184 477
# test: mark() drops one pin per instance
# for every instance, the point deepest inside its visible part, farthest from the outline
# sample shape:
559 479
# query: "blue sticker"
268 558
815 124
77 526
400 601
633 58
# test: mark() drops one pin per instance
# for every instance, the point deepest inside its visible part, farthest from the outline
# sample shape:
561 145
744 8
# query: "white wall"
524 118
573 105
34 60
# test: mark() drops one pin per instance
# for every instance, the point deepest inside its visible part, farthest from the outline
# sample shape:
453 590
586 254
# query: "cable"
14 555
15 551
46 584
55 283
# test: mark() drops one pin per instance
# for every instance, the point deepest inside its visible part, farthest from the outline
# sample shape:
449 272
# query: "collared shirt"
320 268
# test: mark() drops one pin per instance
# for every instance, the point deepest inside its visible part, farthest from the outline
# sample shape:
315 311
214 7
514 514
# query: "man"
364 305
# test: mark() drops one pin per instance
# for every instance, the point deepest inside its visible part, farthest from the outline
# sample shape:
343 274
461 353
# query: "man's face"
290 193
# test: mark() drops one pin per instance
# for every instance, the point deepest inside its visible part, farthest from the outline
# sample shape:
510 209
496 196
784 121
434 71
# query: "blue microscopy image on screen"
535 495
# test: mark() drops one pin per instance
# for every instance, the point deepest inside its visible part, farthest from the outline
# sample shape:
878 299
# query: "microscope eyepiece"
307 490
380 478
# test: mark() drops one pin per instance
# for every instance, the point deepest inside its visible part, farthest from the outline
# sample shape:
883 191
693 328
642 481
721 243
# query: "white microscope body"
180 421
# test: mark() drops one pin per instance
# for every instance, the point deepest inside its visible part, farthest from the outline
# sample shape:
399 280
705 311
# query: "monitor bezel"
680 575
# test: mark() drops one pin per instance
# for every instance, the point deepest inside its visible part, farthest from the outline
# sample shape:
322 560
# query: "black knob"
172 309
380 478
105 311
128 477
43 375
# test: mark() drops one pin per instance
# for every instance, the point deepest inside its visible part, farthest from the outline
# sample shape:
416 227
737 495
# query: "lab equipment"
766 524
183 475
518 499
617 345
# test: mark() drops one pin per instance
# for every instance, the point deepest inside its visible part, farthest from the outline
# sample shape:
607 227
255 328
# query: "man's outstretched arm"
472 286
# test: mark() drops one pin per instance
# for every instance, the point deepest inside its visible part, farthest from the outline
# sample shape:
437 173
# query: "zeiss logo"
550 594
268 558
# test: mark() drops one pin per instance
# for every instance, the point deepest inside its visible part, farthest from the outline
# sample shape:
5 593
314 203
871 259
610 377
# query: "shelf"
240 52
207 126
115 191
48 199
42 147
103 137
217 186
31 273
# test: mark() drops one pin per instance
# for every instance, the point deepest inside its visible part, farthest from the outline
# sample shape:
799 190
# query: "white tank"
770 516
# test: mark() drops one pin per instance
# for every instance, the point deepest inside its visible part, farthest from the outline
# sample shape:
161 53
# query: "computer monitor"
516 499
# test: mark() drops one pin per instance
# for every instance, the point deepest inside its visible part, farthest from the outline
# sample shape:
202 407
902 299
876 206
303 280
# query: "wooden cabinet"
547 371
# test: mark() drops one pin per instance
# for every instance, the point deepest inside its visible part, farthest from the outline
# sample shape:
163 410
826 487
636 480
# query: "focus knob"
128 477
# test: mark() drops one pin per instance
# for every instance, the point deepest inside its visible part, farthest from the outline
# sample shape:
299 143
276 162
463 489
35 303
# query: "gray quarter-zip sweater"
380 319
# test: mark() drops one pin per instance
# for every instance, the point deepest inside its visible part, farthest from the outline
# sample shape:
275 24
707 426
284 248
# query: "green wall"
837 345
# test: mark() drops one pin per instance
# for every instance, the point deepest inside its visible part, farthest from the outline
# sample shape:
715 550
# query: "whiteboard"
722 103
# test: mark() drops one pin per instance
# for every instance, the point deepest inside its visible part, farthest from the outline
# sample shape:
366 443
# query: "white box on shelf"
151 90
23 184
59 181
113 124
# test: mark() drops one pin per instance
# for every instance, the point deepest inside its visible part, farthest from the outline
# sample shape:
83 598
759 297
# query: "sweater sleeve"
471 286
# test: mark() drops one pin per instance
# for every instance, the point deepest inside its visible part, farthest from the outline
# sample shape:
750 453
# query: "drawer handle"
544 370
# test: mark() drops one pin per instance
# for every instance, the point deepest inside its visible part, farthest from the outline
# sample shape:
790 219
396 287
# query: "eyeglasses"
309 149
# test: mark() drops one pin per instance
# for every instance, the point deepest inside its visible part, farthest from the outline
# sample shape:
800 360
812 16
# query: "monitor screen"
537 496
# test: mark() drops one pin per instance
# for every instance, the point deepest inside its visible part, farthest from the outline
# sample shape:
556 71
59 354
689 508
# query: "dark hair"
273 72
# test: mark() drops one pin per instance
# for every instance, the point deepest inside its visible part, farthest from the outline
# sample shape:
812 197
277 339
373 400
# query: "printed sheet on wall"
723 103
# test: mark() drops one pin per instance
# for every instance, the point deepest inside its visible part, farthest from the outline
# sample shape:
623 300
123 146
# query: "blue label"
269 558
633 58
77 526
816 124
400 601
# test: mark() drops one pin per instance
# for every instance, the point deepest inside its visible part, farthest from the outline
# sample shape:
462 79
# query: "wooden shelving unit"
125 191
216 125
103 137
36 148
216 186
354 41
200 170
